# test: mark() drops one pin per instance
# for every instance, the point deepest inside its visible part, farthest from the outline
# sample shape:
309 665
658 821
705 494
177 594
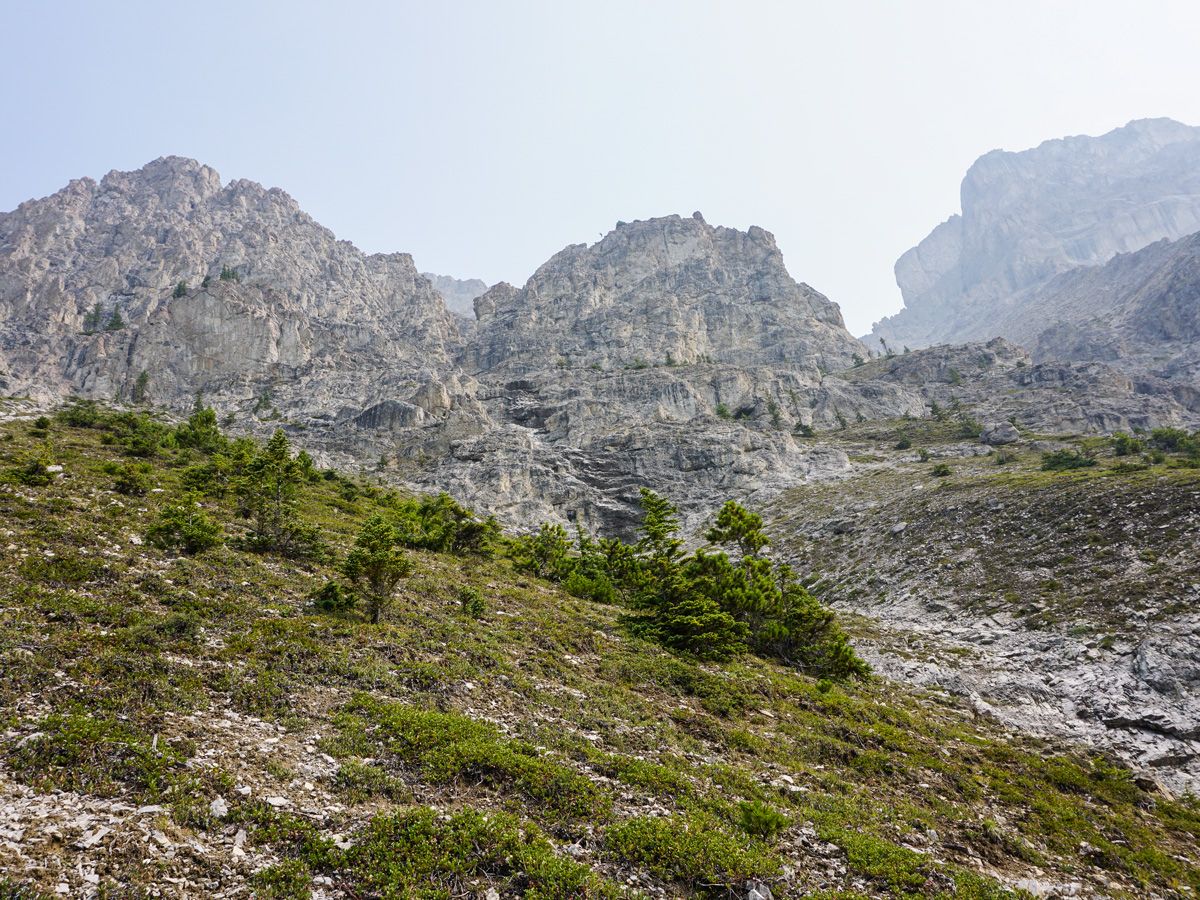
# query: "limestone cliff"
1028 217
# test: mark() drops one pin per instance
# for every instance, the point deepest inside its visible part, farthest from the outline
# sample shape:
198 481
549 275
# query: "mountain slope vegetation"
192 706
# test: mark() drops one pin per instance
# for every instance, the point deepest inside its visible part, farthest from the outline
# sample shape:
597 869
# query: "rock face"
1064 607
1030 216
670 353
459 293
294 305
664 291
998 382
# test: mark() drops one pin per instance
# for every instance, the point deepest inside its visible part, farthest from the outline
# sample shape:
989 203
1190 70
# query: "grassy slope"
1091 546
136 679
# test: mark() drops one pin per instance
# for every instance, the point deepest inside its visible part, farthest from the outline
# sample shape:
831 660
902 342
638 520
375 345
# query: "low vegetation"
534 716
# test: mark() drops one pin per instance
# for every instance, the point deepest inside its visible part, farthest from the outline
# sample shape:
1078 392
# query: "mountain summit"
1030 216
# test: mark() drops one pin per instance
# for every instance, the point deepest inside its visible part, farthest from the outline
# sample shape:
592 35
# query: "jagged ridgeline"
1082 248
671 353
228 670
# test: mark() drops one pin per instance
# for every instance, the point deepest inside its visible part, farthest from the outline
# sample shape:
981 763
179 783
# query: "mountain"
297 318
669 290
459 293
1028 217
670 353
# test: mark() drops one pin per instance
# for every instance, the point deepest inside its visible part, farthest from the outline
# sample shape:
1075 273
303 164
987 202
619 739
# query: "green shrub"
440 524
65 569
416 853
1173 440
904 443
268 495
692 851
1060 460
201 431
99 756
79 413
1126 445
545 554
138 434
333 597
760 820
360 782
596 587
376 562
941 470
132 479
41 423
287 880
723 411
185 526
448 747
471 602
34 472
181 290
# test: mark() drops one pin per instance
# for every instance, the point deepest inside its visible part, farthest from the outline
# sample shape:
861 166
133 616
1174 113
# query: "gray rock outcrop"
459 293
671 353
1030 216
297 317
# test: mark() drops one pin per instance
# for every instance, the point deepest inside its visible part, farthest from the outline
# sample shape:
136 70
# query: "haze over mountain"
670 352
997 268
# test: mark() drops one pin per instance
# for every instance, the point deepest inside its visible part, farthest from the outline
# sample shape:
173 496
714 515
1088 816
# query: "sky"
483 137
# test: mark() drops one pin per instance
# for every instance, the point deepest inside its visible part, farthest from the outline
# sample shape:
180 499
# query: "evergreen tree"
115 322
141 387
201 431
91 321
377 562
181 290
675 612
268 493
737 525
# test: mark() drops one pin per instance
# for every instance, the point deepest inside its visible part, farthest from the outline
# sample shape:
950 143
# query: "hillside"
1064 601
191 725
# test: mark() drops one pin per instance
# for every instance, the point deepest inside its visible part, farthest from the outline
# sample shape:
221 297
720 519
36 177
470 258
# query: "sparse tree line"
713 603
95 320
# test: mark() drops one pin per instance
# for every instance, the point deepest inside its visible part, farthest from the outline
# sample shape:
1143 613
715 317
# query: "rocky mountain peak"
175 180
1031 215
669 289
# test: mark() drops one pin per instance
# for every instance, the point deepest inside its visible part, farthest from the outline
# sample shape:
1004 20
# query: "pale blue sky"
482 137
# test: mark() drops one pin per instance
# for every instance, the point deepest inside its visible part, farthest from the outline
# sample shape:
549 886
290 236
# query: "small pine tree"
91 321
377 561
115 322
181 290
141 387
268 495
229 273
185 526
737 525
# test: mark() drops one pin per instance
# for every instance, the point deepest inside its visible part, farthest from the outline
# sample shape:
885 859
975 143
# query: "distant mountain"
459 293
1029 217
671 353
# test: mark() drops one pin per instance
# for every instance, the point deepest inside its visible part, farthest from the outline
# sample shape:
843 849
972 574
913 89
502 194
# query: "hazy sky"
482 137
